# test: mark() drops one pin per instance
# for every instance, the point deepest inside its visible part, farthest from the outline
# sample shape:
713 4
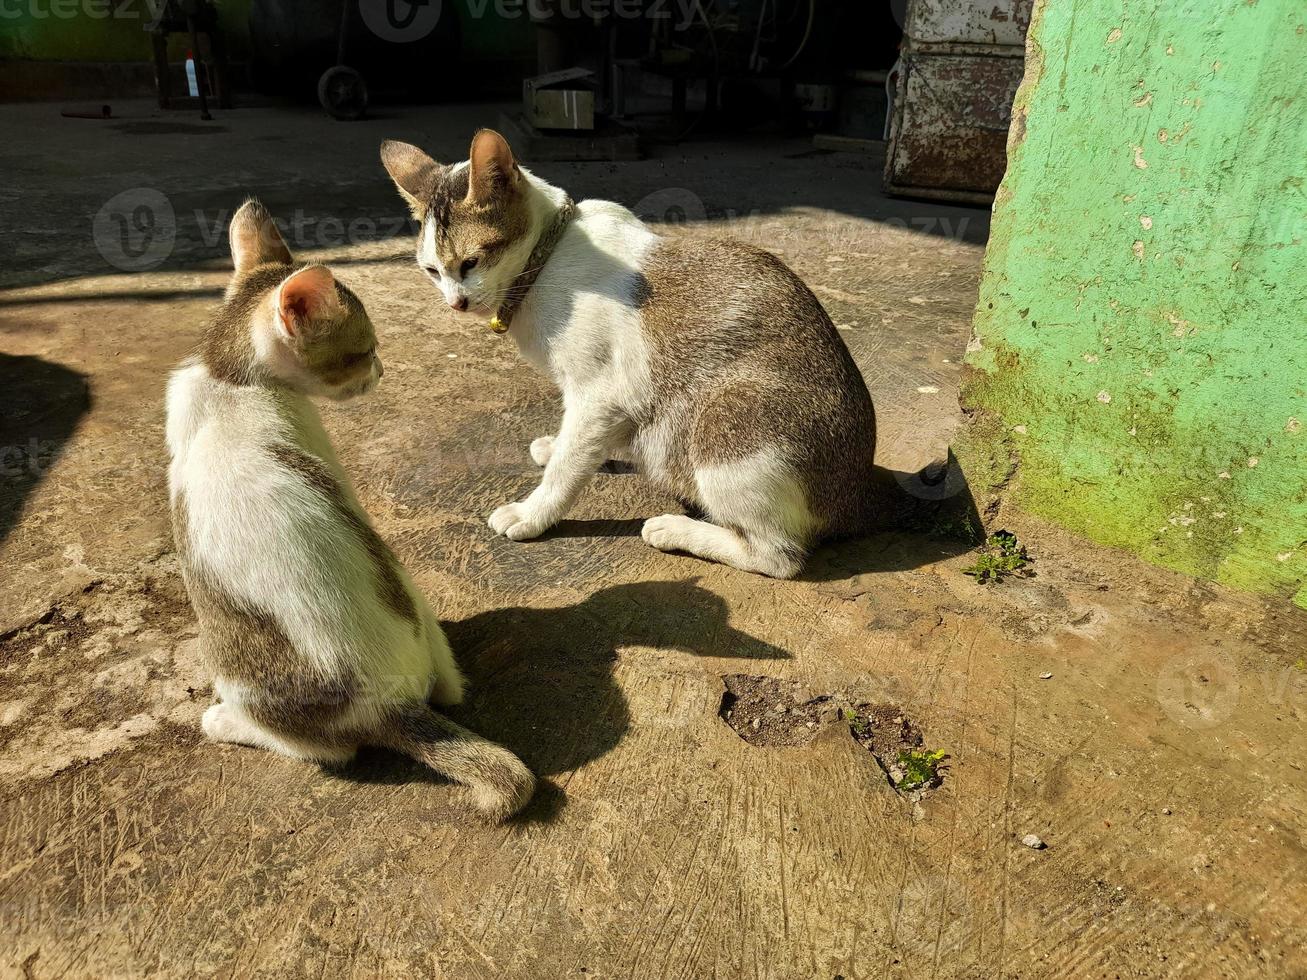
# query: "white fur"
259 533
763 498
580 324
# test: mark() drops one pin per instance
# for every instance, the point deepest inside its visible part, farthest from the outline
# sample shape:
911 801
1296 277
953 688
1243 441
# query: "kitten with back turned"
708 364
317 639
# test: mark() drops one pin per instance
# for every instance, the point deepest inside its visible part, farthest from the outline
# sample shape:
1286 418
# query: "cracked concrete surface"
1161 762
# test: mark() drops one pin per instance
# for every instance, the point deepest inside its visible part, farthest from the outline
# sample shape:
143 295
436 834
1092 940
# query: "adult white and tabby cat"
708 364
317 638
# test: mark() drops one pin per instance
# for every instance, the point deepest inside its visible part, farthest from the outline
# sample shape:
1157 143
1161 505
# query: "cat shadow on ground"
41 405
541 679
923 518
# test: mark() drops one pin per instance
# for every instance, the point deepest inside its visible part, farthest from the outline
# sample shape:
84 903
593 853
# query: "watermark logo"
139 229
940 480
671 205
33 459
934 919
135 231
146 11
1198 691
400 21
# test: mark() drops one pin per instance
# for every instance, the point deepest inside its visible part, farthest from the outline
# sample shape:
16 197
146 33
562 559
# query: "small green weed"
856 721
920 769
957 526
1003 555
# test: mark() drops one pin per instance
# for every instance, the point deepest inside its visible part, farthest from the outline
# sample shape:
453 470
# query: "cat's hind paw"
670 532
517 522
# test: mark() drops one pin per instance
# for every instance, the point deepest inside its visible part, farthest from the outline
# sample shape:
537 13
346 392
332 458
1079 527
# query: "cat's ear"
411 170
493 169
255 238
305 296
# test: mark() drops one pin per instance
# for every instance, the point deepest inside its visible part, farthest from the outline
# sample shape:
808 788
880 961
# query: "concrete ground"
1161 762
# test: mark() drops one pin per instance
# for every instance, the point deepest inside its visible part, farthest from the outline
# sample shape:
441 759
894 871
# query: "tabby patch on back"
708 364
316 637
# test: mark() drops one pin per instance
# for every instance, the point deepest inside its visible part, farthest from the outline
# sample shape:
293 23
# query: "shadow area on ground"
357 203
541 679
41 403
923 518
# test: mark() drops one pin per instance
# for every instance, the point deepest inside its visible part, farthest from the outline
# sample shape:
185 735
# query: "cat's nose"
459 304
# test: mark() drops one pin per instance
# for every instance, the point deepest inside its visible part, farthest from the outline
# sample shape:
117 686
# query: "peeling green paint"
1141 334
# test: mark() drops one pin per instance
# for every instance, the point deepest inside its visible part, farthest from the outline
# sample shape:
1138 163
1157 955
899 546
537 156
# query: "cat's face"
474 219
296 323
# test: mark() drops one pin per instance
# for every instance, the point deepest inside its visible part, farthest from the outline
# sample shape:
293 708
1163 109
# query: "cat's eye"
349 360
467 266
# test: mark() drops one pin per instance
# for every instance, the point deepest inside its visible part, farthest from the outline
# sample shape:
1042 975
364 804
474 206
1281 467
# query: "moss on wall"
1142 326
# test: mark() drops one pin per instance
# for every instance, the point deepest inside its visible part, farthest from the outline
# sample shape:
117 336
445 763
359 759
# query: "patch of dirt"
769 712
63 625
131 635
883 730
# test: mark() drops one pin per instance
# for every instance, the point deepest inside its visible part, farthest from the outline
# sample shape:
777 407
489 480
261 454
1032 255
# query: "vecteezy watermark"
400 21
679 205
671 205
147 12
940 480
934 918
138 229
135 231
305 231
1198 691
34 458
412 20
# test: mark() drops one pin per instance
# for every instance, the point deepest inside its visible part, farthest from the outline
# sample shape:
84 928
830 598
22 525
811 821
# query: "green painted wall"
1139 364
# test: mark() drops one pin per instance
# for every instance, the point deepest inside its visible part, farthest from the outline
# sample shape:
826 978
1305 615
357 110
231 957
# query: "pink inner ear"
491 163
305 296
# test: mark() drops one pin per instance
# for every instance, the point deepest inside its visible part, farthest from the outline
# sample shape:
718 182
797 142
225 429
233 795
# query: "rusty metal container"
959 69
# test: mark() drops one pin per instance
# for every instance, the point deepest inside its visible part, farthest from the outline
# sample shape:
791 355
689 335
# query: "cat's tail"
501 785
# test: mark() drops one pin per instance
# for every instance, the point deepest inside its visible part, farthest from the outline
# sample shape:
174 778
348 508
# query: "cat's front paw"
542 449
517 522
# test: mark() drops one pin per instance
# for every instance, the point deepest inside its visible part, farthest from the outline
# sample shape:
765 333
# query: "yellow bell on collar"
498 325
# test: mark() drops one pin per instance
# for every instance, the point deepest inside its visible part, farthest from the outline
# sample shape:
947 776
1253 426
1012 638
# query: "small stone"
781 709
757 723
1033 841
1166 810
1045 676
812 724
